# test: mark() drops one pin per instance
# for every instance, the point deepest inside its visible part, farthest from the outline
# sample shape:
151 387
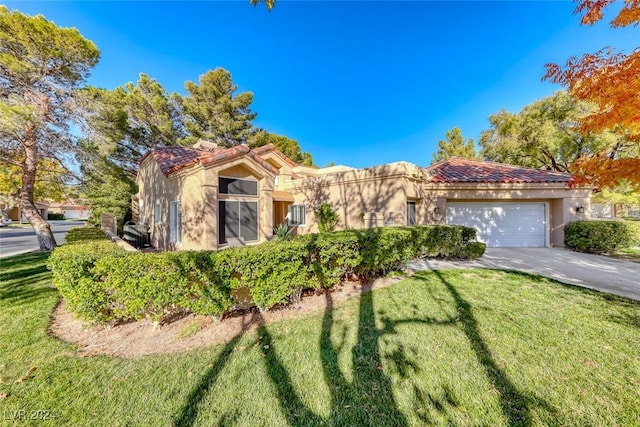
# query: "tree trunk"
29 167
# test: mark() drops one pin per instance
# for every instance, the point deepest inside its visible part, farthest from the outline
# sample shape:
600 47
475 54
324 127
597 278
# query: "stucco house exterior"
15 214
71 209
206 197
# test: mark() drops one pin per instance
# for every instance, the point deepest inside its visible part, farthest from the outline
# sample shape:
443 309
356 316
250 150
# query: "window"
175 222
157 213
237 219
411 213
297 215
141 211
242 187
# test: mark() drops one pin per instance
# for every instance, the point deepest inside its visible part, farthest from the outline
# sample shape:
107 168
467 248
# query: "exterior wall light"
436 210
580 209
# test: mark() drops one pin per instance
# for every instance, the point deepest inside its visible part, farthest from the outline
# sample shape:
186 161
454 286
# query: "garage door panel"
502 224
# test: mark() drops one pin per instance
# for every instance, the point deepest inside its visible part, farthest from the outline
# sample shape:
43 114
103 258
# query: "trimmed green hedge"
102 283
598 236
634 225
55 216
81 234
73 274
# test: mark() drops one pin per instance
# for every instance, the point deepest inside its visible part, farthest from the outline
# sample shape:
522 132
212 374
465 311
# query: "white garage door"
502 225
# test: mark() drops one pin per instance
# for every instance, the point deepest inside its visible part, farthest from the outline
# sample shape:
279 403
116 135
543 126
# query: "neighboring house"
614 210
15 214
603 210
71 209
208 197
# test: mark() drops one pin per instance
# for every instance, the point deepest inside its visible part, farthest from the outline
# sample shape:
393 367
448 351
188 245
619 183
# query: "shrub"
72 267
55 216
82 234
473 250
103 283
332 256
157 286
327 218
598 236
272 271
282 231
634 226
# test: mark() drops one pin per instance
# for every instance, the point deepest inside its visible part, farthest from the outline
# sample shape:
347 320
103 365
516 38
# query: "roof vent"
203 144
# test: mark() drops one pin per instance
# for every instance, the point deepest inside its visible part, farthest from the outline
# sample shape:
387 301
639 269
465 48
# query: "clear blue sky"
357 83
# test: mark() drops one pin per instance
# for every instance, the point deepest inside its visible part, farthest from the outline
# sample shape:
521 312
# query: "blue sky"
356 83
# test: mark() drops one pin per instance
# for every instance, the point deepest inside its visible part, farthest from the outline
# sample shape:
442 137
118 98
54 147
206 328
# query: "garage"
503 225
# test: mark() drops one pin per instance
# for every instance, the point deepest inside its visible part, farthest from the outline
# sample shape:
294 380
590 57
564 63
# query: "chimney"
203 144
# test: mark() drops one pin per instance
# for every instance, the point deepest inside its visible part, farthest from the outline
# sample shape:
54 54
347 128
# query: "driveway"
18 240
590 271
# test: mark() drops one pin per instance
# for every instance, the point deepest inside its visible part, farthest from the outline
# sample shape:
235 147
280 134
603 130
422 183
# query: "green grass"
465 347
629 254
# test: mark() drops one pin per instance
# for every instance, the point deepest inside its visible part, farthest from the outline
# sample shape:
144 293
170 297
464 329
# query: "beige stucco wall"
362 198
197 190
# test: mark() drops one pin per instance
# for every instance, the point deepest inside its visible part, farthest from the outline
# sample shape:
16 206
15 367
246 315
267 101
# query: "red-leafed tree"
610 80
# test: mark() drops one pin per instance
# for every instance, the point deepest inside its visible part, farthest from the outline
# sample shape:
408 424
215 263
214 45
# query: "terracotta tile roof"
272 148
172 159
457 169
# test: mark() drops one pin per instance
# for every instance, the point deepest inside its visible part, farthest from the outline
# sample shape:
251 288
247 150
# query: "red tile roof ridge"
270 147
171 159
459 160
458 169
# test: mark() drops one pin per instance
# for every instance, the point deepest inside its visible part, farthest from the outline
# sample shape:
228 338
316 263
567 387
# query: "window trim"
415 212
174 227
304 215
240 202
141 211
257 181
157 213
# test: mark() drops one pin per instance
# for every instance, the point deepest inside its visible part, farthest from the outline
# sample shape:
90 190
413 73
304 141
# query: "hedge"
634 226
81 234
598 236
72 266
102 283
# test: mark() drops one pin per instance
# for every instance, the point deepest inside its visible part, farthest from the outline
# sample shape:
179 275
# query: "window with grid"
297 215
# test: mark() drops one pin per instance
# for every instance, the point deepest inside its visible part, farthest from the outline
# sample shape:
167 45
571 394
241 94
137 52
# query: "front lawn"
629 254
460 347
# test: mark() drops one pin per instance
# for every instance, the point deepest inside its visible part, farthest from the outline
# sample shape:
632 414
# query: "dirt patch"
141 338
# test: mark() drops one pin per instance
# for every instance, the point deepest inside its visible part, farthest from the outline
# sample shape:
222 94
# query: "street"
17 240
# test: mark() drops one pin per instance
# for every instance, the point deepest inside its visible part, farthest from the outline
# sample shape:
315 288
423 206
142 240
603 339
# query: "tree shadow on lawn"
28 258
21 286
190 409
516 405
368 399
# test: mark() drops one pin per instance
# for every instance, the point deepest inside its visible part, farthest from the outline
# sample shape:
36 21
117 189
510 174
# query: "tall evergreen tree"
122 125
288 147
454 145
41 66
213 111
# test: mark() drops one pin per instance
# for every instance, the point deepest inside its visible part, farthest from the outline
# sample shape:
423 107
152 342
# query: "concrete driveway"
591 271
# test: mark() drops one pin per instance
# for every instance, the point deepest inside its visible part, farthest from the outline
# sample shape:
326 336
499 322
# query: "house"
71 209
206 197
15 213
